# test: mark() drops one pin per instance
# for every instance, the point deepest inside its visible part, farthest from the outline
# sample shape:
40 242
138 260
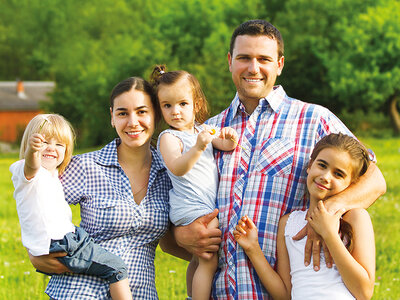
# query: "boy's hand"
36 142
246 234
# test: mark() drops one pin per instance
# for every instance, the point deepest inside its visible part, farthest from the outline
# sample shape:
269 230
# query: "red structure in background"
19 103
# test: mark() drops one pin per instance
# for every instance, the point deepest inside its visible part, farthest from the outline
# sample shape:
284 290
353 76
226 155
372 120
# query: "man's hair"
258 27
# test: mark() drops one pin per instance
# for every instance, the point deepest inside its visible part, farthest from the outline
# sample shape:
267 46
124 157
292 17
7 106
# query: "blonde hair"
51 126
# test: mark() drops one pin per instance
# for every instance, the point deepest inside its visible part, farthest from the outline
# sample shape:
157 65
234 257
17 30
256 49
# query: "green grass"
18 279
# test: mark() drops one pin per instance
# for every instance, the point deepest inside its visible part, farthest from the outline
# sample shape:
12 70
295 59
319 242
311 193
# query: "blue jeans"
84 256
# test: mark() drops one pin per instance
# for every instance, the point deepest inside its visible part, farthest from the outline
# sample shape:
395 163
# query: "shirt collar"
274 100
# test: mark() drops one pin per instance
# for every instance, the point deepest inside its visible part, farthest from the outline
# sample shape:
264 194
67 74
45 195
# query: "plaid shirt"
264 180
111 216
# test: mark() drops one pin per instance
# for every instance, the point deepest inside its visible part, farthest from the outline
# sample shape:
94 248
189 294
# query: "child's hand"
323 222
246 234
229 133
203 139
36 142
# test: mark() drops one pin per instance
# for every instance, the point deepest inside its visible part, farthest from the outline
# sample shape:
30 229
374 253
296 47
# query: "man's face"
254 65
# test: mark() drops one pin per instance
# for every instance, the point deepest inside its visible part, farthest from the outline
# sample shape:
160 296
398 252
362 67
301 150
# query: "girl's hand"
229 133
203 139
323 222
246 234
36 142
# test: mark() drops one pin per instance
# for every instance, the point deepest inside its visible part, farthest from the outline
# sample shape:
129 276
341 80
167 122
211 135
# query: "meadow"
19 280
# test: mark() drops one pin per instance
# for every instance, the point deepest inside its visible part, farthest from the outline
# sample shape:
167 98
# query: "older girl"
336 161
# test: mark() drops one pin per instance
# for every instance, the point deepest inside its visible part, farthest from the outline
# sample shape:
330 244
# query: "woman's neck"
134 157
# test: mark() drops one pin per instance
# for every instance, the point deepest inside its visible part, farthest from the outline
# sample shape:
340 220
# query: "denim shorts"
84 256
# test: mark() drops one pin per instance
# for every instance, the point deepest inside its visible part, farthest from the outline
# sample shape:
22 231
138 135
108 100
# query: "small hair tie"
162 72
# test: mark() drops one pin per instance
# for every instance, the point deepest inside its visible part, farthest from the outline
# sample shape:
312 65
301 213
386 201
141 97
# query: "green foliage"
365 67
87 47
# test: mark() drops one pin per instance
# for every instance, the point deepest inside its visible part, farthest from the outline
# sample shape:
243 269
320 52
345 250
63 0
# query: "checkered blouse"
110 215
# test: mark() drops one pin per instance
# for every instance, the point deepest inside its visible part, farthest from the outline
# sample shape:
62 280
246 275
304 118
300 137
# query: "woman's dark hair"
138 84
360 159
160 76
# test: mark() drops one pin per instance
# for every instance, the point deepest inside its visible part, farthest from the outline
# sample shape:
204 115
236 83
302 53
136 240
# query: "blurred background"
343 54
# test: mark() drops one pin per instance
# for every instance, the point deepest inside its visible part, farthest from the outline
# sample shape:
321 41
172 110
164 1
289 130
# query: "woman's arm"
358 267
277 283
49 263
171 151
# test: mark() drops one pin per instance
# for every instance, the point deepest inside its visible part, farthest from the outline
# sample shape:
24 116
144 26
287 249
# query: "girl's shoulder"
356 215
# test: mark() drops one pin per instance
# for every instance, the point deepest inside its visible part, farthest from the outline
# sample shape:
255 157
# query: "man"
266 177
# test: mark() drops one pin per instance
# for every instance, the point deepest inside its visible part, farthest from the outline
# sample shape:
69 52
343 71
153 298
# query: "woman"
123 193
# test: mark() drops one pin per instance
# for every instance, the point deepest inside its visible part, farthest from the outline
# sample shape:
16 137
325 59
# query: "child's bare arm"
358 267
246 235
32 155
227 139
171 150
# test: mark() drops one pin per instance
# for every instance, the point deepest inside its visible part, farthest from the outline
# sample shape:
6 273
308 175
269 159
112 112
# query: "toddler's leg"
120 290
191 269
204 274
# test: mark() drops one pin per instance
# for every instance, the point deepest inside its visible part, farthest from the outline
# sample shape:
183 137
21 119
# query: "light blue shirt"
193 194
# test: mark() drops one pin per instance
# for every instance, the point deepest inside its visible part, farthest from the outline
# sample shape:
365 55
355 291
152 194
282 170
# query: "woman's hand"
49 263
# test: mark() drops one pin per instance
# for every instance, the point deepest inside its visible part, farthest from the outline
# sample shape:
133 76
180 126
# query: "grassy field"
18 279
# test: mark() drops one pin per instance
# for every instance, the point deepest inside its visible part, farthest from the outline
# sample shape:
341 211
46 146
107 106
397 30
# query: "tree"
364 71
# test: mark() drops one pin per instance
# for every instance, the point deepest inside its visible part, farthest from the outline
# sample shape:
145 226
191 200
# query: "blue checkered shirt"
264 180
111 216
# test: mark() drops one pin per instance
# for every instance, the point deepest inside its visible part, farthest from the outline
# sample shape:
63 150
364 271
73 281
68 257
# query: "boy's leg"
120 290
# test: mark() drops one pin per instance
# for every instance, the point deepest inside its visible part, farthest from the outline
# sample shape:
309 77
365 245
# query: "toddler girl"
187 150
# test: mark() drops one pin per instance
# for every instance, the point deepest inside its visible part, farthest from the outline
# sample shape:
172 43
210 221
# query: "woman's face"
133 118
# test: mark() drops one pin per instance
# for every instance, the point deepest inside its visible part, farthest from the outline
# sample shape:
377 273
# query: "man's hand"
49 263
313 246
197 238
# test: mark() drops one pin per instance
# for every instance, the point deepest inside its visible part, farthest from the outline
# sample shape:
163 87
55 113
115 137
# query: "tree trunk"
394 114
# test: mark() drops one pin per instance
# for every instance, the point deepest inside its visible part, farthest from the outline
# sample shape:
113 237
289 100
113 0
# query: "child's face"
53 154
177 105
329 174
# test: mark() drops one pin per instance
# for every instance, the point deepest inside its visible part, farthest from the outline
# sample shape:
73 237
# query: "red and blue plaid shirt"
264 179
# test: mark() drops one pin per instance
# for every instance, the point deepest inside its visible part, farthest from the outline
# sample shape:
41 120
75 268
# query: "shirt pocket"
107 217
276 157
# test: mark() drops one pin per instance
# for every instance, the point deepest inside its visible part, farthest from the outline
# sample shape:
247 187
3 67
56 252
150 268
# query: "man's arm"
197 238
168 245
